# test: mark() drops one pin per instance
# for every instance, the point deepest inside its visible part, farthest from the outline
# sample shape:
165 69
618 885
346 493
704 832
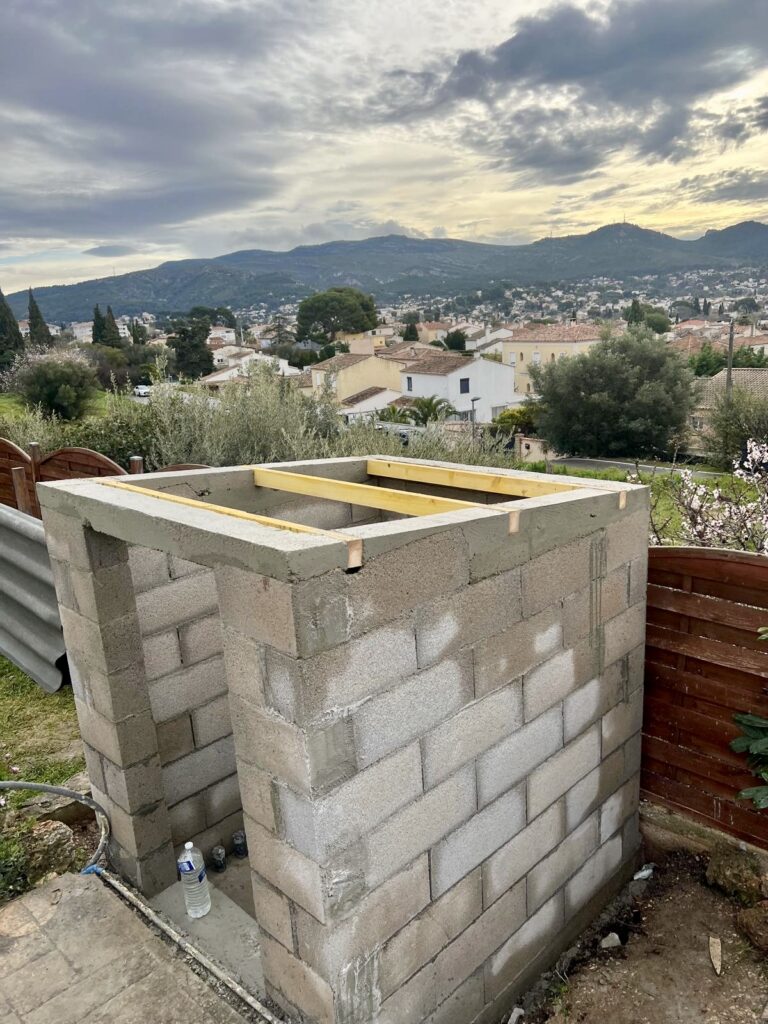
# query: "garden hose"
101 814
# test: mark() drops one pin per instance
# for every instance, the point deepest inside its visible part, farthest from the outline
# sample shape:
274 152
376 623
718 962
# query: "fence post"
20 492
34 454
136 464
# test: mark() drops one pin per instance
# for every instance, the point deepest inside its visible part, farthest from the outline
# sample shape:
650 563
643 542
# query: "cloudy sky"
138 131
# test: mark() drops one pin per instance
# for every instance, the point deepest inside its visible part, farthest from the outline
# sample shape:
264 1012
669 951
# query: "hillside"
395 265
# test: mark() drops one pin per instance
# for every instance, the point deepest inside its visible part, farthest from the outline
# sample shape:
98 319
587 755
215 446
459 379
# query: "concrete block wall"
178 615
439 759
437 755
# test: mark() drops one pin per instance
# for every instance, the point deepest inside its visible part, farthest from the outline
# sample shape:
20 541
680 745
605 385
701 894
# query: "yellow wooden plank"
354 544
467 479
406 502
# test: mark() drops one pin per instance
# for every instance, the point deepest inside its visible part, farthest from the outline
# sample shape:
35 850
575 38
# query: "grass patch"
11 406
39 737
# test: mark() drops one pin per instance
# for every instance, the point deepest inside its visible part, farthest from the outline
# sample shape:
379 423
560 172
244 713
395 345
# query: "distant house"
534 344
433 330
231 355
237 369
753 380
83 332
366 403
458 379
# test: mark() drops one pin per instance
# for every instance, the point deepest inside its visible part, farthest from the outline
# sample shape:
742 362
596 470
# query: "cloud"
741 186
112 250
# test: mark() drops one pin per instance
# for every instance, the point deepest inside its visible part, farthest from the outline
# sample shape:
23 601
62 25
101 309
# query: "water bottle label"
186 866
201 876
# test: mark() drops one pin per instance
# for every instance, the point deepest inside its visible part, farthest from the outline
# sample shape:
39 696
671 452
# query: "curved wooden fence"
704 662
20 472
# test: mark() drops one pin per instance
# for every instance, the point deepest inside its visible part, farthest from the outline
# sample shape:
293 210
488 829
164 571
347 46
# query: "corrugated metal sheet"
30 628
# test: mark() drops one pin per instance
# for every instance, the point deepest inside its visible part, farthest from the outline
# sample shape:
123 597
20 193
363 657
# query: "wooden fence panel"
704 662
11 457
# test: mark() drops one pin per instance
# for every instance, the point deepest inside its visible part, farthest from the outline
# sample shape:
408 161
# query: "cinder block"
420 825
174 738
631 838
108 650
354 808
94 767
508 763
557 519
406 577
136 787
179 601
586 610
222 799
552 682
395 718
150 874
123 743
476 840
431 986
632 754
546 580
199 769
516 858
272 910
244 661
115 696
149 568
300 985
358 669
270 743
429 932
587 795
474 613
465 1003
187 818
624 633
551 874
509 655
293 874
618 808
592 700
638 579
219 834
256 795
69 540
622 721
201 640
376 917
635 668
509 962
188 688
211 721
593 875
62 581
549 781
492 548
162 654
137 834
471 732
259 607
627 539
282 683
322 616
104 594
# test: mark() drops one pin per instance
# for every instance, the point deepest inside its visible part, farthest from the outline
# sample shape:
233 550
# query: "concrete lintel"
192 533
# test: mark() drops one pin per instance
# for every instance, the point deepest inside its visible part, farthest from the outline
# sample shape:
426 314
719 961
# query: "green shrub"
60 384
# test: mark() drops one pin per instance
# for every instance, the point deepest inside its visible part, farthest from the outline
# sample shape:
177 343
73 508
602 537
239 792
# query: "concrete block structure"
418 685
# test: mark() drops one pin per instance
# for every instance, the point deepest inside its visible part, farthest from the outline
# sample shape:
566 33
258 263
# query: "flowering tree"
731 516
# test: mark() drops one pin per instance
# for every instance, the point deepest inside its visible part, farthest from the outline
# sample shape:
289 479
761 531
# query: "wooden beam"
406 502
354 544
467 479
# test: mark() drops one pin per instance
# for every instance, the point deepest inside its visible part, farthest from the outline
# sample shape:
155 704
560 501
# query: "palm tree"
394 414
426 410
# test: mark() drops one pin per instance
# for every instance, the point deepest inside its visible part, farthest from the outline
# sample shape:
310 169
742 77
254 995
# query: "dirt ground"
664 975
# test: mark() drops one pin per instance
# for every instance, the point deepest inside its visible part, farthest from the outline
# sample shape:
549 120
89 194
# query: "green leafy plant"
754 743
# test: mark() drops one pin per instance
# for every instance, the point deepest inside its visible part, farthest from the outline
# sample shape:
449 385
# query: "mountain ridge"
393 265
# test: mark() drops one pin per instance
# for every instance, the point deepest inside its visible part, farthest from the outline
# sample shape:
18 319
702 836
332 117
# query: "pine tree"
39 334
112 336
696 305
720 309
99 326
706 307
11 341
635 315
410 333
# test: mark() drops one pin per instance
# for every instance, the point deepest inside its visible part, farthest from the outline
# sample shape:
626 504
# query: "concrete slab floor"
228 931
73 953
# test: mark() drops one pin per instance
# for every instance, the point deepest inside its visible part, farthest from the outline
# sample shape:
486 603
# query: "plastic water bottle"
194 882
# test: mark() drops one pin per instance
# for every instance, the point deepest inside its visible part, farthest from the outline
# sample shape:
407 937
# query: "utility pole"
729 368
